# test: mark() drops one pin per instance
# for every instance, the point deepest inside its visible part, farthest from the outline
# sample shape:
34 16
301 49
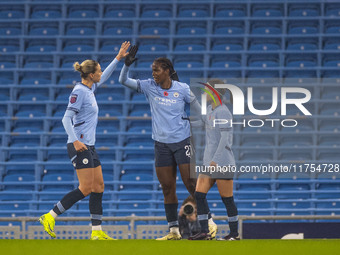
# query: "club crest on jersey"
73 98
166 93
176 94
85 161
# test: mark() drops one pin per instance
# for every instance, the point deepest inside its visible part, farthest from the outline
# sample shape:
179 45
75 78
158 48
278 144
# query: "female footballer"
170 130
217 152
80 122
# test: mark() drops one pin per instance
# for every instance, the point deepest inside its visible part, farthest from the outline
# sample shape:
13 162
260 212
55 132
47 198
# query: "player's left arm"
191 99
226 139
113 65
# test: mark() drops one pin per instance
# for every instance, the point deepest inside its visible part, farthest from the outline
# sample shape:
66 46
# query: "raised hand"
123 51
132 55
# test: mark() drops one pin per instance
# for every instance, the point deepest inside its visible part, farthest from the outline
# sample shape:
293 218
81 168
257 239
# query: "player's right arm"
75 102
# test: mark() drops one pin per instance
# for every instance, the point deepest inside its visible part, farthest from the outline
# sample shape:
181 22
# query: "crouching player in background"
187 218
217 152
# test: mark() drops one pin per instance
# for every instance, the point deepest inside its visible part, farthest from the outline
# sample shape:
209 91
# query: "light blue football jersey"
83 101
169 119
223 156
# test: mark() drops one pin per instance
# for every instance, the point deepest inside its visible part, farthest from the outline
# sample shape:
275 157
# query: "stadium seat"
4 94
302 27
154 12
18 182
332 27
109 110
24 141
107 126
227 45
329 125
264 11
189 11
299 44
154 45
31 111
329 140
139 141
253 140
332 9
10 29
109 45
255 155
150 28
68 78
295 154
45 45
31 79
140 126
3 110
301 61
25 169
121 11
12 12
46 12
142 110
230 28
57 140
189 45
87 12
183 62
328 155
75 45
57 182
303 10
10 45
32 62
263 61
230 11
121 28
264 45
44 29
28 127
187 28
260 27
81 29
104 141
296 140
331 109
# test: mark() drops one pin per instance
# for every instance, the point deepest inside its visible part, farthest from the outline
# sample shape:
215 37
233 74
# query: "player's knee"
98 187
168 190
85 189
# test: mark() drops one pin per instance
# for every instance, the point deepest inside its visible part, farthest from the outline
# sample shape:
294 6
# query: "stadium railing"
131 231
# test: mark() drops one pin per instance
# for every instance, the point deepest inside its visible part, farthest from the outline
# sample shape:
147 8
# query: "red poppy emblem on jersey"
73 98
166 93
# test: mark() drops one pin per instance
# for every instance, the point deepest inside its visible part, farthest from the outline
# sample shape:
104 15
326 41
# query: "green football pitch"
249 247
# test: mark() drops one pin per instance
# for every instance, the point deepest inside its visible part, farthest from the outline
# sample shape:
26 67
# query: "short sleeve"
189 97
76 100
144 86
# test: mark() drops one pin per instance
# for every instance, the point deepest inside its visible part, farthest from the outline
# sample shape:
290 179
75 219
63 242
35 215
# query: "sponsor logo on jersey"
165 100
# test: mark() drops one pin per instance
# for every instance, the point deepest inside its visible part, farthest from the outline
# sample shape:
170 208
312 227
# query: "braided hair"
165 63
